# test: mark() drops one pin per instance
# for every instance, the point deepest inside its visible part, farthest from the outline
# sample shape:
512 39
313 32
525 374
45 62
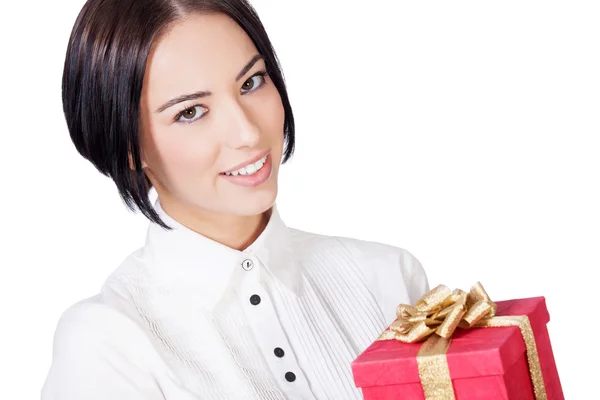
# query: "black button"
255 299
290 376
279 352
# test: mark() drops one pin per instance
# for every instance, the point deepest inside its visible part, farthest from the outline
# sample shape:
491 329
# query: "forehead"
200 52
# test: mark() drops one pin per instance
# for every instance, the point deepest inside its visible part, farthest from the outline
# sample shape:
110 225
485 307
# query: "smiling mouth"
249 169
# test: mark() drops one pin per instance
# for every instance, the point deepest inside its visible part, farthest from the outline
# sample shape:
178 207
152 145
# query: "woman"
224 301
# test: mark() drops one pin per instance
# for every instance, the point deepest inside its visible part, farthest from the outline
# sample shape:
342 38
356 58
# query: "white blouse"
185 317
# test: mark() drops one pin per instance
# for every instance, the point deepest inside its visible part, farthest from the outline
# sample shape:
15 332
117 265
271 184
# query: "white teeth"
250 169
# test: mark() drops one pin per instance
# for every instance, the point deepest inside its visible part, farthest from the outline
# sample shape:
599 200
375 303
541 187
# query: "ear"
131 163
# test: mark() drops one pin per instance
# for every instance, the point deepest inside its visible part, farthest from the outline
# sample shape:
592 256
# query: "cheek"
272 114
186 157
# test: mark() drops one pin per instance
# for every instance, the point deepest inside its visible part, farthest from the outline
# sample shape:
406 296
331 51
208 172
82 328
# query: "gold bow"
440 311
436 316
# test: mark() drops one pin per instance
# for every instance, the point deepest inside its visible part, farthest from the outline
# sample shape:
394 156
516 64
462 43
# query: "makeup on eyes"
263 73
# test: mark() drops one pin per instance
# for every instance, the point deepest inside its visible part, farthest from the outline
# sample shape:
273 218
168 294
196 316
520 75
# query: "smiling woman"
232 118
182 117
223 300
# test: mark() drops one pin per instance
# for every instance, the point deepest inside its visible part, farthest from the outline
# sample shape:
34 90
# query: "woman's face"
190 139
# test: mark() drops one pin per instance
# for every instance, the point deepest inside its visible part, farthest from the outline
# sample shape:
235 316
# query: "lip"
255 180
250 161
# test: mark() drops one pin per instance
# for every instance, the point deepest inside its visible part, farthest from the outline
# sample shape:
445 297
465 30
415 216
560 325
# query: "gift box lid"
473 352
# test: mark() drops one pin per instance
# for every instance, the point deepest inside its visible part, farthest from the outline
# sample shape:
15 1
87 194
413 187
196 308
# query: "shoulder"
90 328
393 274
111 313
97 319
374 258
100 352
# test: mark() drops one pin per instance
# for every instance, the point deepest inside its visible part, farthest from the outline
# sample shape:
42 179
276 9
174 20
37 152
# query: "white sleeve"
90 362
415 277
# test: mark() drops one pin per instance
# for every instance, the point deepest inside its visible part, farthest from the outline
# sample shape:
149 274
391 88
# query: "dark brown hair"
103 75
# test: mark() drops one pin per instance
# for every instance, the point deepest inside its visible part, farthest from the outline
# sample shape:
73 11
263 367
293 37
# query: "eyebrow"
204 93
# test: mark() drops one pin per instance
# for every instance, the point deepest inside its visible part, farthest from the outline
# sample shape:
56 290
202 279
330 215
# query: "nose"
241 129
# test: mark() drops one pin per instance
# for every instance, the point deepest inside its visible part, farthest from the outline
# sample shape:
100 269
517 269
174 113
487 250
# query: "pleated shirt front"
185 317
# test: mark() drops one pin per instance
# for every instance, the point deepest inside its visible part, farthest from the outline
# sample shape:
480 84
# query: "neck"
234 231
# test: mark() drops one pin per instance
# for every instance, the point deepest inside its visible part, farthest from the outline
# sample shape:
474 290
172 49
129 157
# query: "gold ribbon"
436 316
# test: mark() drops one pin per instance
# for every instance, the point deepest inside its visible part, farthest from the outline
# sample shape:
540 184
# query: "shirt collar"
182 256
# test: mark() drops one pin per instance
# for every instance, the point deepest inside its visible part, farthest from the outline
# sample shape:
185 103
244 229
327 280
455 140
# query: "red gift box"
484 363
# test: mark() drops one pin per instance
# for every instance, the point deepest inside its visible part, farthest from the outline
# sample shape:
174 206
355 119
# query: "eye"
255 82
190 114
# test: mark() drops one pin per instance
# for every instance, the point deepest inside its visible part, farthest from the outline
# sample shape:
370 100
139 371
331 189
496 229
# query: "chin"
256 203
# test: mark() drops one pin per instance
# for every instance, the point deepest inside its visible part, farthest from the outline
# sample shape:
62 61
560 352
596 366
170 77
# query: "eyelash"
262 73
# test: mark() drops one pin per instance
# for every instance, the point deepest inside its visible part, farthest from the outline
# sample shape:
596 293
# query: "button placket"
269 333
289 376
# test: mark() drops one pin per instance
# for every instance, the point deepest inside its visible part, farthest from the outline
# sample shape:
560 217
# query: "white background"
464 132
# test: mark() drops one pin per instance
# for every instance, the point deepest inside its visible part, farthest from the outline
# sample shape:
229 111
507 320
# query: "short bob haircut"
103 74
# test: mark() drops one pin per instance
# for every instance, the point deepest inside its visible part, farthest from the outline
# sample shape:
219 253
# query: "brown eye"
189 113
254 83
248 85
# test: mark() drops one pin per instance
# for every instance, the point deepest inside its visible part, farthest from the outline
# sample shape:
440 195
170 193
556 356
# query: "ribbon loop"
441 311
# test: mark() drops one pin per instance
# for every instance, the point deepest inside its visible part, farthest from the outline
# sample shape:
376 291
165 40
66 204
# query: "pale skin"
186 146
